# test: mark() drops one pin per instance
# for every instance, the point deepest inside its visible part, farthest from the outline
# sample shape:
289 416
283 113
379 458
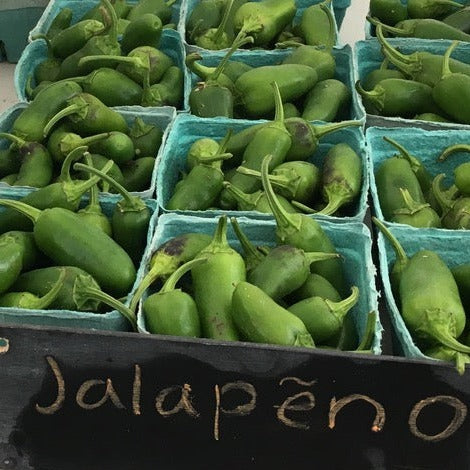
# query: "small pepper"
315 286
375 76
461 275
158 7
315 25
206 14
430 8
168 92
11 261
459 19
146 138
61 21
388 11
138 173
145 30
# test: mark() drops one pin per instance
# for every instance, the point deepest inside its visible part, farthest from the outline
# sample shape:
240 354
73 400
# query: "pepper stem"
400 254
69 110
29 211
82 292
200 70
238 194
137 61
389 29
415 164
461 360
375 96
75 154
47 299
279 109
278 181
320 131
331 25
113 29
13 138
368 336
94 199
412 206
453 149
444 202
316 256
171 282
224 142
220 30
336 197
95 138
384 66
341 308
445 62
220 235
130 200
303 207
248 248
283 219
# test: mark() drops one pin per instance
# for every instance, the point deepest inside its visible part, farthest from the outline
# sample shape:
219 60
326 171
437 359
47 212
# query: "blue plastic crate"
79 8
425 144
162 117
449 247
187 129
368 57
189 5
353 242
342 55
36 52
111 320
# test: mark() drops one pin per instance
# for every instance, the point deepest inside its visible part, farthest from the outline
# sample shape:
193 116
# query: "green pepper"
88 115
315 286
423 28
233 69
30 124
414 213
25 243
130 219
324 318
461 275
256 96
98 45
203 184
422 67
206 14
200 150
30 301
158 7
305 233
398 97
272 17
32 94
391 176
167 258
115 145
11 261
216 38
145 30
459 19
272 139
214 283
375 76
121 8
66 194
432 117
261 320
296 180
40 281
172 311
49 68
36 162
315 25
424 177
284 269
61 21
110 86
455 213
327 101
430 8
138 173
462 171
451 91
59 234
168 92
206 73
256 201
146 138
388 11
306 136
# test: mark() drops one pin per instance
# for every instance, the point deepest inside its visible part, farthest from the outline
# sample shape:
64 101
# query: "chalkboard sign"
84 400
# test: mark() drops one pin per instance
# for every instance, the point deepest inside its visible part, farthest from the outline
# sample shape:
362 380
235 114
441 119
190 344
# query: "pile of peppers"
409 194
421 85
214 24
112 52
227 174
51 242
424 19
61 118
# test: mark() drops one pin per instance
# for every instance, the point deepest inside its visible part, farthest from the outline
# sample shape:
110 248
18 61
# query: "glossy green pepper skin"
305 233
168 92
161 8
431 8
206 14
460 19
146 138
167 258
316 26
392 175
374 77
261 320
138 173
214 283
172 311
145 30
461 275
284 269
320 60
61 21
30 124
388 11
315 286
327 101
324 318
11 256
216 38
